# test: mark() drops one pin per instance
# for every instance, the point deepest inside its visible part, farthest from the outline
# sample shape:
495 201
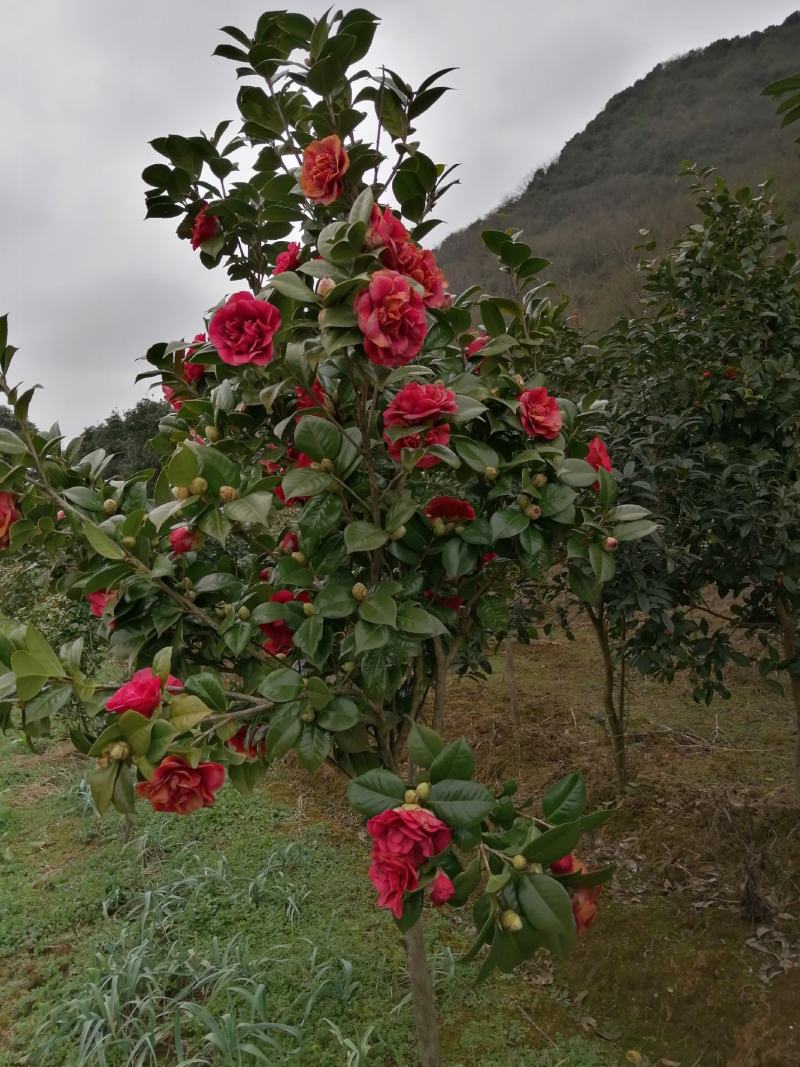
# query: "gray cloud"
84 86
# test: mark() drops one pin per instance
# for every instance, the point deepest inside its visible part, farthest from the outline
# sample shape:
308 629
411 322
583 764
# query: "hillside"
585 210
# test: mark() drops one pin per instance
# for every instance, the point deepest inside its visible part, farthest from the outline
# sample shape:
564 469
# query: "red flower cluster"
401 254
142 693
9 514
403 840
539 414
178 787
598 457
325 164
287 260
279 633
391 316
584 898
183 539
450 509
414 406
205 226
242 330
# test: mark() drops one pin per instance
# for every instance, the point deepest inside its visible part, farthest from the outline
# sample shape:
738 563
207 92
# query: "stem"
789 635
616 725
422 997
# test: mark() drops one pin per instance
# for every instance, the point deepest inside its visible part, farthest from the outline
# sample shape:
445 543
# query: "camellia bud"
308 715
227 493
191 595
410 796
198 486
359 591
299 557
535 868
519 863
460 528
325 286
533 511
423 790
309 609
314 466
211 433
490 473
518 379
349 666
265 574
129 542
439 527
610 544
510 921
326 465
181 492
110 507
397 534
244 613
539 480
523 501
119 751
221 610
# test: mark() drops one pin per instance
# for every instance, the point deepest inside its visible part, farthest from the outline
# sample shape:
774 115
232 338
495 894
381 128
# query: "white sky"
85 84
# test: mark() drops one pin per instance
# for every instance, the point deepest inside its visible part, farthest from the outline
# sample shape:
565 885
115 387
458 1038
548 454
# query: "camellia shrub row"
359 469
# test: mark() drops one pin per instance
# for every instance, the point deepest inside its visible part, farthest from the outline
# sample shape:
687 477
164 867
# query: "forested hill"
584 211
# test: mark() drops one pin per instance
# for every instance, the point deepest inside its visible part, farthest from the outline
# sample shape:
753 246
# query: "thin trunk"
789 635
614 717
440 694
422 997
511 684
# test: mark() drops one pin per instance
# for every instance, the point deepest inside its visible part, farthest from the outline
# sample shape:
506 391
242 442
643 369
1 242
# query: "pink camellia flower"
325 164
401 254
182 539
60 515
172 398
584 901
9 514
242 330
474 348
178 787
413 833
393 877
252 751
314 399
416 404
100 600
598 457
205 226
142 693
539 414
437 435
385 230
192 372
391 316
287 260
450 509
442 889
564 865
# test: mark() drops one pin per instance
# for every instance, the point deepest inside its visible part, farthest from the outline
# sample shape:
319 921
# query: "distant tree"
126 435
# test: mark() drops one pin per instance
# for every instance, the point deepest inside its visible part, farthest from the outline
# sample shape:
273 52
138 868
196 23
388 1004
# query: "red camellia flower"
401 254
584 900
449 509
205 226
242 330
413 833
416 404
437 435
100 600
289 542
391 316
385 230
193 372
539 414
487 558
265 574
453 603
598 457
9 514
287 260
142 693
314 399
325 164
706 374
182 539
564 865
474 348
442 889
177 786
731 373
172 398
279 633
393 876
239 744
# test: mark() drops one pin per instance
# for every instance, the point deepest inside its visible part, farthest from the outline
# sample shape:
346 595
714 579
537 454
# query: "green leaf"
555 843
509 522
379 609
47 704
292 285
317 437
565 799
320 515
282 685
209 688
632 531
362 536
302 482
375 791
284 730
254 507
424 744
460 803
318 694
475 454
186 710
459 557
216 525
36 644
158 516
313 746
340 714
577 473
412 619
308 635
412 909
101 783
455 761
545 904
335 601
101 542
602 562
493 614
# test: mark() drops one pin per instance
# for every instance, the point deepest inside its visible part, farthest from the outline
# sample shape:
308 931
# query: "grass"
252 926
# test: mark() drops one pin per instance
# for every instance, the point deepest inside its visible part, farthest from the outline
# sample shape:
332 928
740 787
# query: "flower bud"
129 542
520 381
191 595
118 751
227 493
535 868
534 512
539 480
423 790
308 715
110 506
181 492
519 863
610 544
490 473
309 609
314 466
460 528
359 591
349 666
398 534
523 501
198 486
211 433
325 286
439 527
244 613
410 796
299 557
510 921
221 610
326 465
265 574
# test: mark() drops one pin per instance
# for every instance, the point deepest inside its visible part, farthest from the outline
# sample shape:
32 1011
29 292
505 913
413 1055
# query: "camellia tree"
296 579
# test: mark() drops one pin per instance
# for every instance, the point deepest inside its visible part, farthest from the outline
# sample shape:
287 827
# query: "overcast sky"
85 84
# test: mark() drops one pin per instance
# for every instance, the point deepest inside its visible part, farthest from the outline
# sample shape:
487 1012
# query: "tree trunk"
422 997
440 693
789 634
615 716
511 684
